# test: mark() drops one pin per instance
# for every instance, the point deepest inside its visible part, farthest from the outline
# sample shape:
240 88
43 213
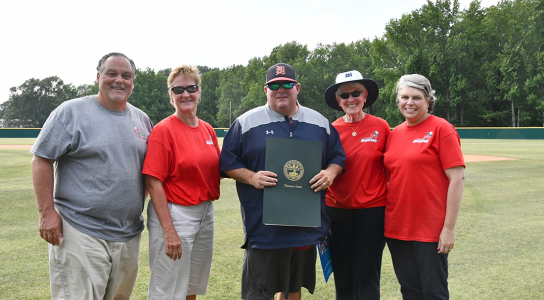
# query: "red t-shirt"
415 158
363 184
185 159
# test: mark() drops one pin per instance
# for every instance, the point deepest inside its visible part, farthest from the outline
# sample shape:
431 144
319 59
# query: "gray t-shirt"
99 154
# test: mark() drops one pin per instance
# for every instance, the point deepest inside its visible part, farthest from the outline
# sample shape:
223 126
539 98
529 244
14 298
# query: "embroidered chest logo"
140 134
372 138
425 139
270 132
293 170
280 70
210 141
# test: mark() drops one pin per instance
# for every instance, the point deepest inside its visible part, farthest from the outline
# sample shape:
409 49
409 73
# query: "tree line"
486 65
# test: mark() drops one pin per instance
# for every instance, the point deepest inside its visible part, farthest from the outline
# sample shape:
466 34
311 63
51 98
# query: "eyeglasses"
276 86
354 94
178 90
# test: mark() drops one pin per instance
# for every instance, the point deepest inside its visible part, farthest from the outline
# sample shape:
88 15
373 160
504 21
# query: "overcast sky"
66 38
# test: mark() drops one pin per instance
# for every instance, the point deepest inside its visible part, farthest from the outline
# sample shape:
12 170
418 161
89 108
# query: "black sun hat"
351 76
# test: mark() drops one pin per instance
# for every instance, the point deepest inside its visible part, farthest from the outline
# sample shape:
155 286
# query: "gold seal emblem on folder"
293 170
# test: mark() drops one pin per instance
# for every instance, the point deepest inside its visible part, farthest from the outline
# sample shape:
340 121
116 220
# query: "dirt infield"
475 158
468 157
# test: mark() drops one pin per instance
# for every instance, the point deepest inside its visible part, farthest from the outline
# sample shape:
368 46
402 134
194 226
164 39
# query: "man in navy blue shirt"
278 259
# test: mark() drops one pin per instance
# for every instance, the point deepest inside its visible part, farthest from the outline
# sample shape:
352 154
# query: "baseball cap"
351 76
281 72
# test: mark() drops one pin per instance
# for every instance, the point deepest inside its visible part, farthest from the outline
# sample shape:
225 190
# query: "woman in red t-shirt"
356 200
181 170
426 172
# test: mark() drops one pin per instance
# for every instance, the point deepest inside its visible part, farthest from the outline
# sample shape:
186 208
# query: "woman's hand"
172 244
446 241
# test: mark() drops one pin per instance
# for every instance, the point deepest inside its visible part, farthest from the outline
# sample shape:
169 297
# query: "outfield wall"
19 132
527 133
221 132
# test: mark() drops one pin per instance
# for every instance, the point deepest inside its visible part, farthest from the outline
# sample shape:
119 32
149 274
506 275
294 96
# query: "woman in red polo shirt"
426 178
181 170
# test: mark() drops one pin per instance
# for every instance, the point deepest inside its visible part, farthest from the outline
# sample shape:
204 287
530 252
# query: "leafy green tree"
421 40
204 69
508 60
209 103
534 63
388 70
30 104
471 50
289 53
253 84
230 95
150 94
3 108
324 63
363 62
515 27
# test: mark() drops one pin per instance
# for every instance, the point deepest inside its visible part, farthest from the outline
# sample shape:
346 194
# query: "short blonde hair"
419 82
185 71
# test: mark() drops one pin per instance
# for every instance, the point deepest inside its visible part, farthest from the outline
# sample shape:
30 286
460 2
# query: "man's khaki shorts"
86 267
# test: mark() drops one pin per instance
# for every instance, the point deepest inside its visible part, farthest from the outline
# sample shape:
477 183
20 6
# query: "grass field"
498 254
17 141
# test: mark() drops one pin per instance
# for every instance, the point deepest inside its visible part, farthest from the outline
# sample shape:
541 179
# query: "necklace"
354 133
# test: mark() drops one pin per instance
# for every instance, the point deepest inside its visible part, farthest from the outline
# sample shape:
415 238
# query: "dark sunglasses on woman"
354 94
178 90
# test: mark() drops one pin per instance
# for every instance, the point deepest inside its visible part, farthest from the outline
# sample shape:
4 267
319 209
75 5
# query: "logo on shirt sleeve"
425 139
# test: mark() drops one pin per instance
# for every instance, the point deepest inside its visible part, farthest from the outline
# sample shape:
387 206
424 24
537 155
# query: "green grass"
17 141
498 253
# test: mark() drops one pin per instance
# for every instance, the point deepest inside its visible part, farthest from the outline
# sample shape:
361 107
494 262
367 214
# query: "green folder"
292 202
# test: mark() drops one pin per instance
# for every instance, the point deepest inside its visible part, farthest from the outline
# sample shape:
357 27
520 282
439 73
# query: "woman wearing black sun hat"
356 200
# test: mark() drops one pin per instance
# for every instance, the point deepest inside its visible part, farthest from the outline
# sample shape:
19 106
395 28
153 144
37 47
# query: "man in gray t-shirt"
89 188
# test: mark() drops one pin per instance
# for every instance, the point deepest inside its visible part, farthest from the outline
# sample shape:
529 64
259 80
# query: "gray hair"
421 83
100 66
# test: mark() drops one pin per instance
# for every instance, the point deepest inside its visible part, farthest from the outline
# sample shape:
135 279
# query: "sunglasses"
178 90
353 94
285 85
